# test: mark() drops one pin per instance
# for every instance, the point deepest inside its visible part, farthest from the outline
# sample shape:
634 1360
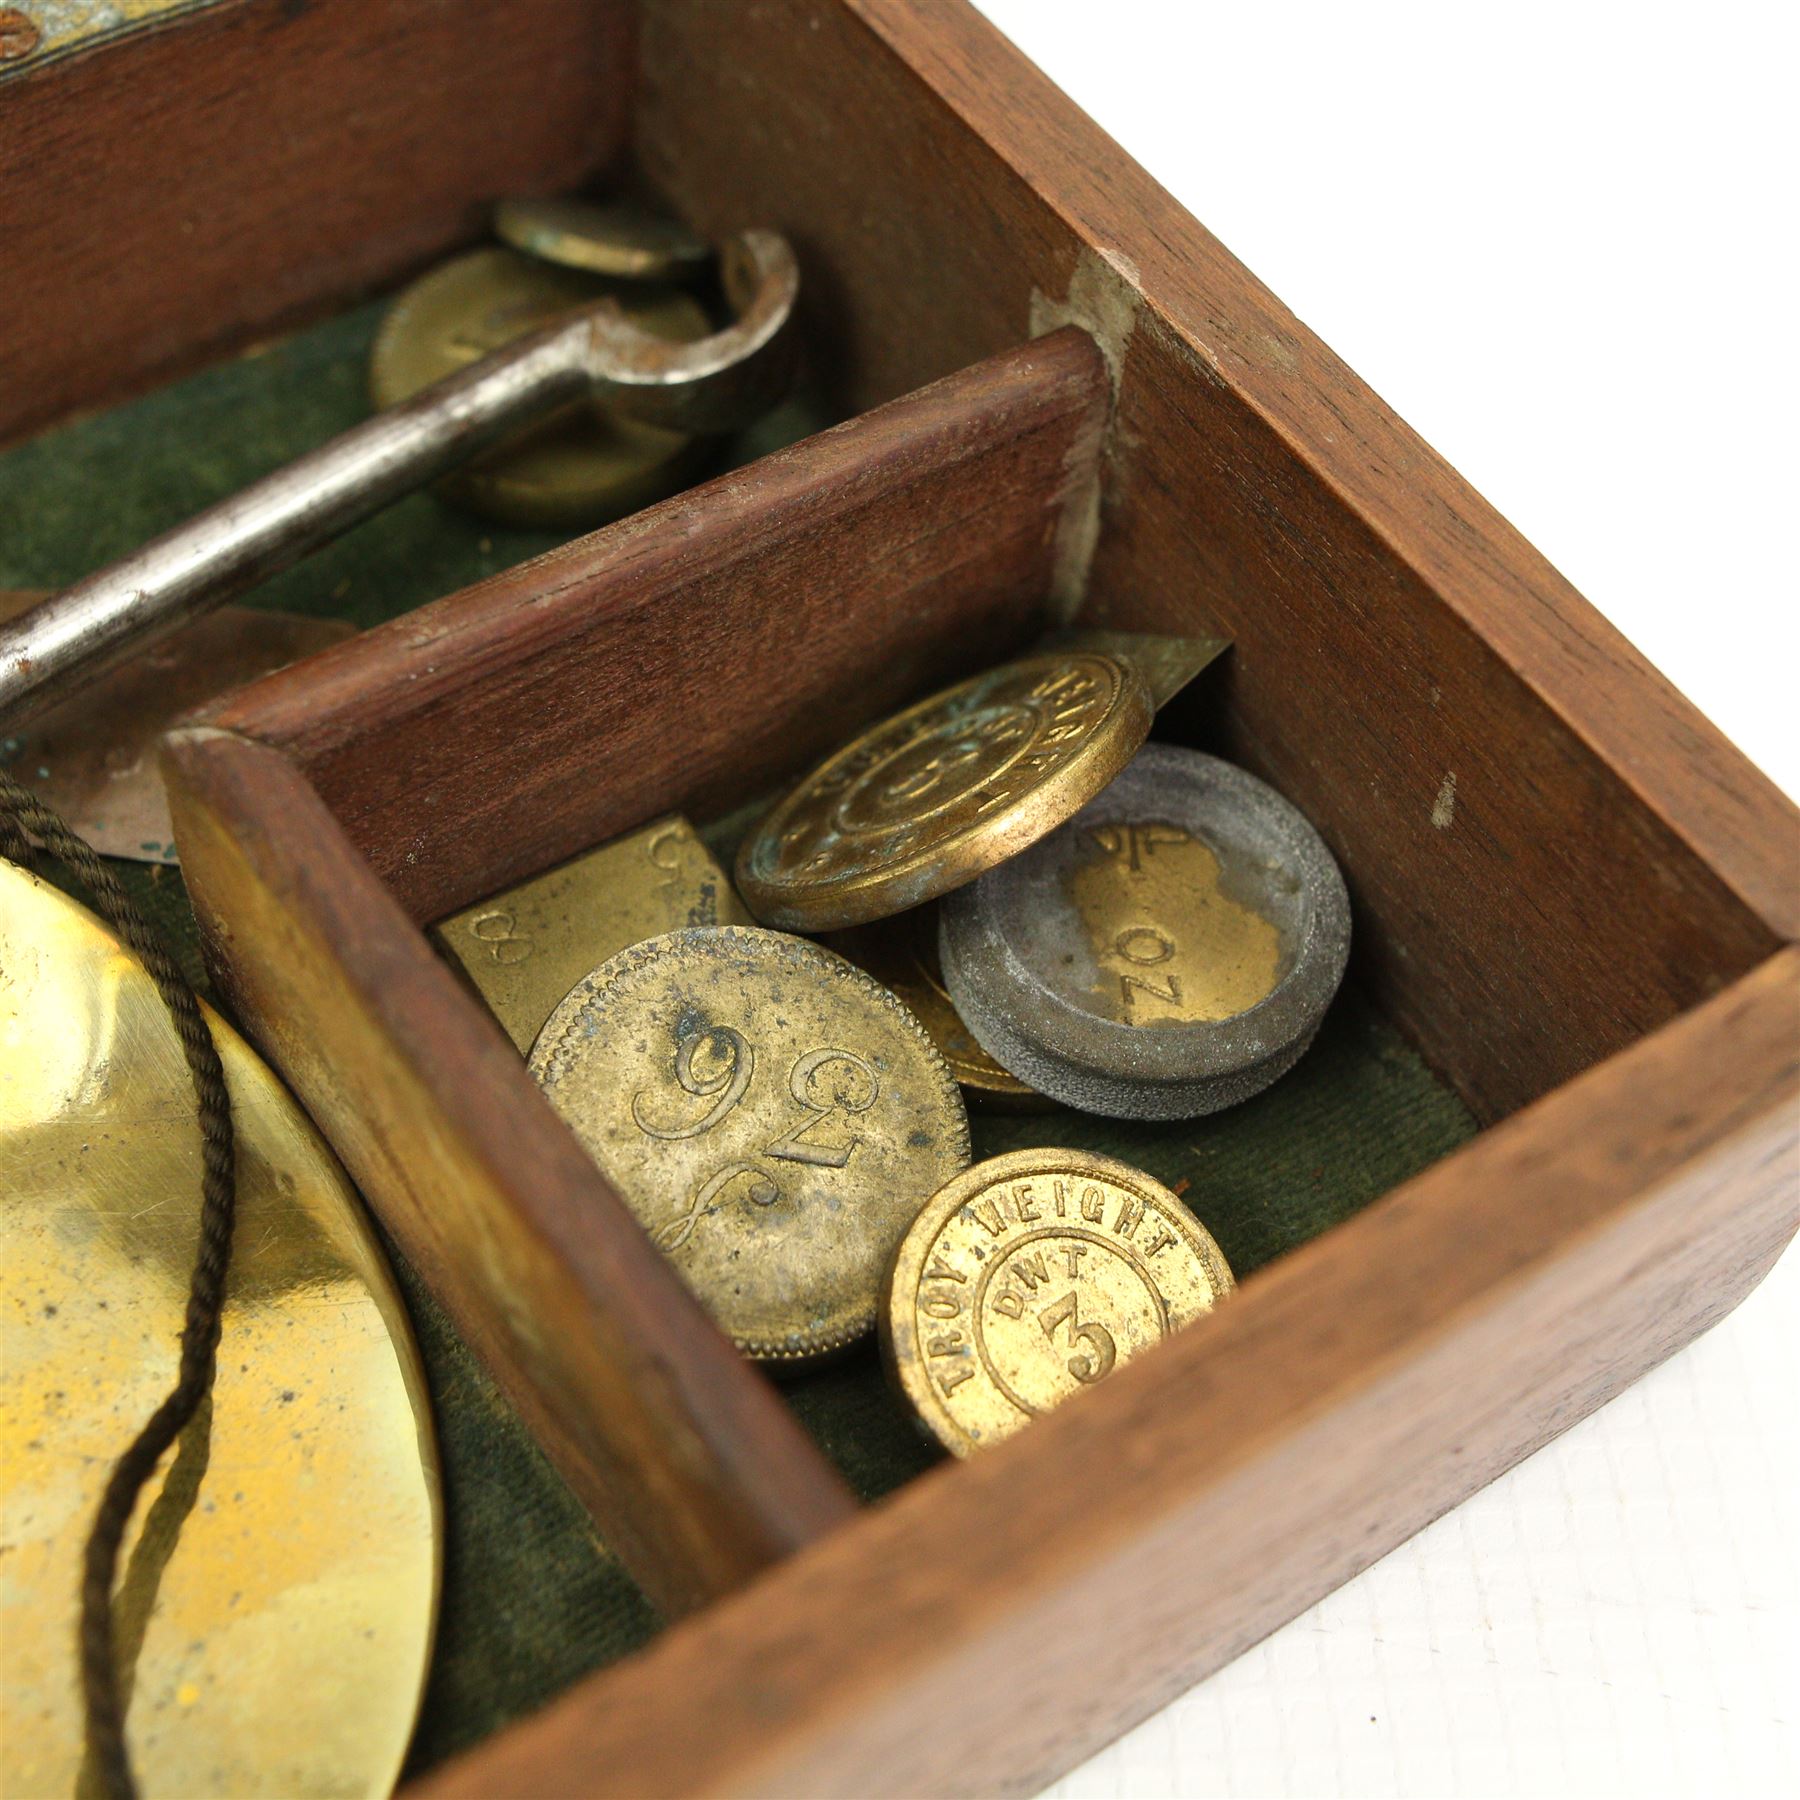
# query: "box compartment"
1570 893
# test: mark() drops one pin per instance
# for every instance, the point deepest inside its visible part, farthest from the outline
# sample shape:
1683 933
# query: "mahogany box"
1061 398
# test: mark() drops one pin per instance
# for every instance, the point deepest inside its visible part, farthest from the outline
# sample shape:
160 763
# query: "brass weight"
929 799
1031 1277
773 1116
588 463
524 949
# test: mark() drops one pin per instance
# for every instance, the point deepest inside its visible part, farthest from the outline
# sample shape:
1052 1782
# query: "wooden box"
1063 397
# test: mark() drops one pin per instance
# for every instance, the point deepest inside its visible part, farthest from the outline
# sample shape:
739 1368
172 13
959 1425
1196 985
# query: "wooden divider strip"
684 655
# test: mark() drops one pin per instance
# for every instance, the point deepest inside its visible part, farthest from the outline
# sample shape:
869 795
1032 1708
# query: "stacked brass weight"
277 1589
603 237
588 464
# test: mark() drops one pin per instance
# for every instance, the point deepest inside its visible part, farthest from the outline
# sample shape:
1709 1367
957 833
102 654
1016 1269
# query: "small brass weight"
525 949
786 1123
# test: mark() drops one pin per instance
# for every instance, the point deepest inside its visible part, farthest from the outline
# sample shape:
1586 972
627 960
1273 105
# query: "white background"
1559 240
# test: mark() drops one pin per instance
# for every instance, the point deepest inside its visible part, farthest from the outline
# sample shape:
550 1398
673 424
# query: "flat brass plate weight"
278 1586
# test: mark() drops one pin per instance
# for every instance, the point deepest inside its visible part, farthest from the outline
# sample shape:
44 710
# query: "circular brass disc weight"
586 464
278 1587
603 237
772 1116
927 800
1032 1276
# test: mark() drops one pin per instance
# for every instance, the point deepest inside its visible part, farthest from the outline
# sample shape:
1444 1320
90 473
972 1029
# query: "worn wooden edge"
225 172
996 1622
1235 334
688 657
1732 1209
1539 835
695 1471
703 642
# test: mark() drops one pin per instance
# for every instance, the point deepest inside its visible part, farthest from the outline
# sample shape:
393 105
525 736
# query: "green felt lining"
531 1600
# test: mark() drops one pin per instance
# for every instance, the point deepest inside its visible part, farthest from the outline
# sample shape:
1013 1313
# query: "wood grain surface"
688 657
1541 834
682 657
695 1471
180 191
1569 890
998 1621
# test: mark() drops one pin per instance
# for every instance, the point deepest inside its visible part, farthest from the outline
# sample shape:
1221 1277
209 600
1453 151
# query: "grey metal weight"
1168 952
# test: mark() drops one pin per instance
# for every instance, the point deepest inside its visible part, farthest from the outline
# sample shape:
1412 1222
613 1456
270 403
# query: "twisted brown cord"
24 818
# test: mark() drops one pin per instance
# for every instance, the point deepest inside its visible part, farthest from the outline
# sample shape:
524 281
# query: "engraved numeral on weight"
1083 1366
832 1086
827 1083
729 1048
496 929
663 853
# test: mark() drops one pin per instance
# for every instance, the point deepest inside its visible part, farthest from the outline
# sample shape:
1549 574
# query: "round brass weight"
930 798
603 237
1031 1277
587 464
902 953
772 1115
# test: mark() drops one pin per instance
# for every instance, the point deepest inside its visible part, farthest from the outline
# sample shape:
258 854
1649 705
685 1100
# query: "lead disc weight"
1168 952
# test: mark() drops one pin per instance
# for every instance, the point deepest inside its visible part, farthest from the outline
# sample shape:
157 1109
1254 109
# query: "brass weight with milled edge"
772 1115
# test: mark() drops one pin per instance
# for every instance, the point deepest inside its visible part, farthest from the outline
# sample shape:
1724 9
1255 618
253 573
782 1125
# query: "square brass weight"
525 948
